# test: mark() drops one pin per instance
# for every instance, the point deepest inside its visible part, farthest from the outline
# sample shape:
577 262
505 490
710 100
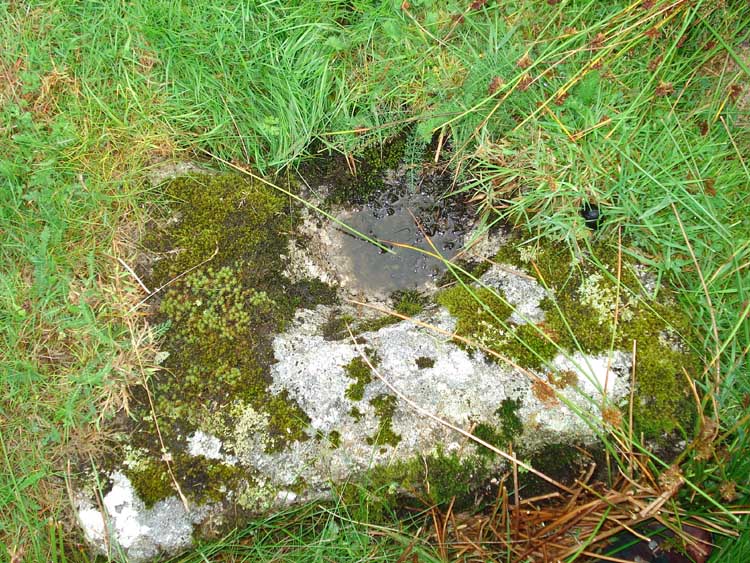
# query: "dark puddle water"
421 218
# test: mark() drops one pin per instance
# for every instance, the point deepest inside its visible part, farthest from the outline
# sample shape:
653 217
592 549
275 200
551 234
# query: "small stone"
591 214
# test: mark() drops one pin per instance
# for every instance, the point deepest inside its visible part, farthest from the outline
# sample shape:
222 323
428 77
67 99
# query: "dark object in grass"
591 214
663 546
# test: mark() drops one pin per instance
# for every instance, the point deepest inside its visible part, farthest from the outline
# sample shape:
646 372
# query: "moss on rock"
580 316
438 477
509 429
408 302
151 481
222 256
423 362
478 313
385 406
368 182
360 372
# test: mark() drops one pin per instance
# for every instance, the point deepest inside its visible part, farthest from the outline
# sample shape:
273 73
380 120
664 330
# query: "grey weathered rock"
459 386
137 533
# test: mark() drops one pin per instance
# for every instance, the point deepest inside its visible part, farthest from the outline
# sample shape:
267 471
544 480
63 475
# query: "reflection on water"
393 220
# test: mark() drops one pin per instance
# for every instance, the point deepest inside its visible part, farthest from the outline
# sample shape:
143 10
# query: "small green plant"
385 407
409 303
360 372
211 303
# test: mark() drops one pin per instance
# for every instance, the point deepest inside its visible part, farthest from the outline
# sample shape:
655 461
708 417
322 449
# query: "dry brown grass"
562 525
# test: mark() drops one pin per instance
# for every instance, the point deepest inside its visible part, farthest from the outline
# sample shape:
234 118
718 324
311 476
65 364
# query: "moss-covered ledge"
587 309
266 397
219 257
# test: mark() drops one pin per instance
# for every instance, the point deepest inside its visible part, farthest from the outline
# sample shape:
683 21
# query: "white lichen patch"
603 298
203 444
520 290
137 533
606 373
457 386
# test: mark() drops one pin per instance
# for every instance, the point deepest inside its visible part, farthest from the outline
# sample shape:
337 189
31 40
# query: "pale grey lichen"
133 532
135 459
520 290
257 497
251 434
203 444
599 296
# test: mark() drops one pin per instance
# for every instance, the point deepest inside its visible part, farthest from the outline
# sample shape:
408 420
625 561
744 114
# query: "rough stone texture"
460 386
167 170
137 533
520 290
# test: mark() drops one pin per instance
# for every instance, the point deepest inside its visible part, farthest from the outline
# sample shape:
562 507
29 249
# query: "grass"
314 533
636 107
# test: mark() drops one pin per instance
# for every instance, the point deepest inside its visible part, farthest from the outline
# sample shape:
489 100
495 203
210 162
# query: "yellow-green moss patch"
478 313
385 406
580 316
221 257
360 372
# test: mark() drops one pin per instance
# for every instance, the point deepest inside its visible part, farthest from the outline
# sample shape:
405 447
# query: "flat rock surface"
459 386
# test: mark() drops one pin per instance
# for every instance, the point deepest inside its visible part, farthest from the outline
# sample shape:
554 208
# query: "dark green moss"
385 406
487 433
151 481
206 480
560 461
356 414
310 293
287 422
423 362
437 478
408 302
453 477
505 434
371 166
334 438
360 372
335 328
239 220
511 425
201 480
372 325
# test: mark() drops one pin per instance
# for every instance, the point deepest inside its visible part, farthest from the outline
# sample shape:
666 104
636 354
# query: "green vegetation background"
641 107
